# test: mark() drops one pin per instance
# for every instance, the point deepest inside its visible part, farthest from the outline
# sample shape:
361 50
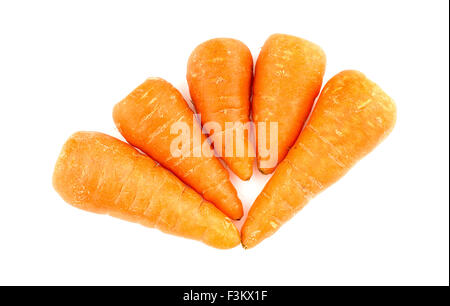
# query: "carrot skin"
351 117
288 77
219 74
101 174
145 118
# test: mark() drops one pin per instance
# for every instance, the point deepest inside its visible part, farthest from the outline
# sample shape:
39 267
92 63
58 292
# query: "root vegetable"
351 117
288 77
104 175
145 118
219 74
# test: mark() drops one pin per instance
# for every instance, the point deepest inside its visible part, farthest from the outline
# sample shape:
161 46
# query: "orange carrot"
352 116
145 118
101 174
219 74
288 77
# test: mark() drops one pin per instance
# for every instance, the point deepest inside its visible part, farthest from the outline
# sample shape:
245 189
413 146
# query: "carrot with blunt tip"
219 74
351 117
145 119
101 174
288 77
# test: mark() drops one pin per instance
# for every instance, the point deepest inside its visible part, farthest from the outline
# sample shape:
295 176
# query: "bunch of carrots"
192 196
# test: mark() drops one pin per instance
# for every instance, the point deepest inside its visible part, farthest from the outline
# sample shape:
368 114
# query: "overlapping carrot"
288 77
352 116
219 74
146 117
101 174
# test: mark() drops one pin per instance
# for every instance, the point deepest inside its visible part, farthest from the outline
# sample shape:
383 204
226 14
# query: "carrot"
288 77
146 117
219 74
104 175
351 117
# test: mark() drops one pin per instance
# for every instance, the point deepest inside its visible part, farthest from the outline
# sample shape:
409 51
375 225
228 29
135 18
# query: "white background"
64 65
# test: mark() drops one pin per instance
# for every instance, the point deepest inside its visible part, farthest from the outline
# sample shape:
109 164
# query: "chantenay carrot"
219 74
146 117
288 77
351 117
104 175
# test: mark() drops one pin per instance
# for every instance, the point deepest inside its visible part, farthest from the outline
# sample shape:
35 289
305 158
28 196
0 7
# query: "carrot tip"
265 170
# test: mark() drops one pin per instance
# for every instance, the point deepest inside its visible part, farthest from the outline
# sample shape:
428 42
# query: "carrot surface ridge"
351 117
145 118
219 74
288 77
101 174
